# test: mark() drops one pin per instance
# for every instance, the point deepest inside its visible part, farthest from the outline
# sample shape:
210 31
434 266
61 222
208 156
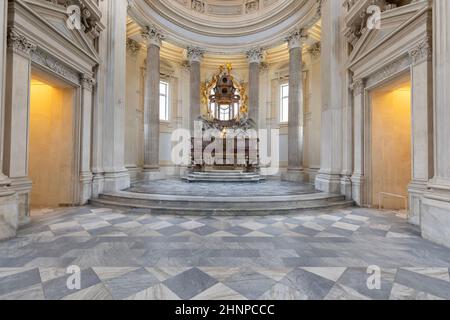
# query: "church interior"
224 150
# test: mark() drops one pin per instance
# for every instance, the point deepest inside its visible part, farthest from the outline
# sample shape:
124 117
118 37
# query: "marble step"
246 205
225 211
223 176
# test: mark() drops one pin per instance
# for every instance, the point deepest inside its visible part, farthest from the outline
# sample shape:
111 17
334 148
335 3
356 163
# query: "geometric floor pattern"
136 255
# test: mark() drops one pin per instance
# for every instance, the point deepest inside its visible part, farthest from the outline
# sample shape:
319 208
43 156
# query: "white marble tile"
219 292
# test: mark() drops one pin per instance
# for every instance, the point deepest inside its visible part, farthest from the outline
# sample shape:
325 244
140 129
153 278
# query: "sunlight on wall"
391 145
51 145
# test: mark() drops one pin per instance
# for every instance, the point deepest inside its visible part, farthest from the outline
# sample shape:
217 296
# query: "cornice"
237 37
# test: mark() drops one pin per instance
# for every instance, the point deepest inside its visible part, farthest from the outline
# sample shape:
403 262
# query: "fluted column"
9 215
358 141
296 108
331 155
151 104
435 217
116 176
422 123
87 87
4 181
194 56
255 57
17 108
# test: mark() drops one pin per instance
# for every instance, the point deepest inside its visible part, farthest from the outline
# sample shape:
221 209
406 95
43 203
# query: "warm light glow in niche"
391 144
51 145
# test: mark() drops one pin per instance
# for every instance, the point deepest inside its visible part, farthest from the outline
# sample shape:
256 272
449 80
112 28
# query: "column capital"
133 46
19 43
422 51
87 81
296 38
358 86
195 54
255 55
152 35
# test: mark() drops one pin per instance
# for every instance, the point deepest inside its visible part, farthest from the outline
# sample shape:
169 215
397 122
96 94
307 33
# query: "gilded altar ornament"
207 92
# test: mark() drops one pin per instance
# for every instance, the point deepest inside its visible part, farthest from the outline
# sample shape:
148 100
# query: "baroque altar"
225 137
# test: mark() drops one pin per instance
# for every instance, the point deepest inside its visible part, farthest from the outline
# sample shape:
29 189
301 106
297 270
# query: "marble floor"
273 187
137 255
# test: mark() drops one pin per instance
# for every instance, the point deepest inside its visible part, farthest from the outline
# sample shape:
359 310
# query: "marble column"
151 169
329 177
9 214
422 124
116 176
255 57
194 56
17 105
435 215
296 108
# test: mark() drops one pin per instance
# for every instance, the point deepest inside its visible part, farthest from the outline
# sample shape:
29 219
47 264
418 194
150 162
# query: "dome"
225 26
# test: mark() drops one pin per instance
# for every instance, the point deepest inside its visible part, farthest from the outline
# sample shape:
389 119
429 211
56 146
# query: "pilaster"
329 177
435 215
9 211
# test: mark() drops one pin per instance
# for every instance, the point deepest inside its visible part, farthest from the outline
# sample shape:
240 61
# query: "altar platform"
174 196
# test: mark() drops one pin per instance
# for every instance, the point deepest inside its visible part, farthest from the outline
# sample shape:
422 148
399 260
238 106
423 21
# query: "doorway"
391 160
51 157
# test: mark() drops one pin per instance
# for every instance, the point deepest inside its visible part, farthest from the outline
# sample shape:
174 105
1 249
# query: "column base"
416 190
98 184
9 213
330 183
85 188
134 172
151 175
346 187
116 181
435 216
358 181
294 175
22 187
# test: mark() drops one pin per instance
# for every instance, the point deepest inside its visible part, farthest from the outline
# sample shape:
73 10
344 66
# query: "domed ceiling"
225 26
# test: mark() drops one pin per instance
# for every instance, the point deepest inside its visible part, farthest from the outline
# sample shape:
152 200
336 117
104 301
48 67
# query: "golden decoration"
207 86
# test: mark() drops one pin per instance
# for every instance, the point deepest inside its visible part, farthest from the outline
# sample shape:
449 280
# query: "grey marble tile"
18 281
357 279
57 289
309 284
423 283
131 283
250 284
190 283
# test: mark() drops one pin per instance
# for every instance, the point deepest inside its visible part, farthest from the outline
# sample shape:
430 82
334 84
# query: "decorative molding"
19 43
43 59
87 82
133 46
423 51
315 49
358 87
195 54
296 38
389 71
152 36
255 55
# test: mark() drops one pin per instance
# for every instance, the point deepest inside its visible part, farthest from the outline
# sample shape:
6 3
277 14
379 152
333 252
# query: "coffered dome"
225 26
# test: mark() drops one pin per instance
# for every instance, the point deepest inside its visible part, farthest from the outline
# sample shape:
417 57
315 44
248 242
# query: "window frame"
284 118
167 106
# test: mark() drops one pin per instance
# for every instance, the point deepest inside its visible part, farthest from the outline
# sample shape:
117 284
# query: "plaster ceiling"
225 27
